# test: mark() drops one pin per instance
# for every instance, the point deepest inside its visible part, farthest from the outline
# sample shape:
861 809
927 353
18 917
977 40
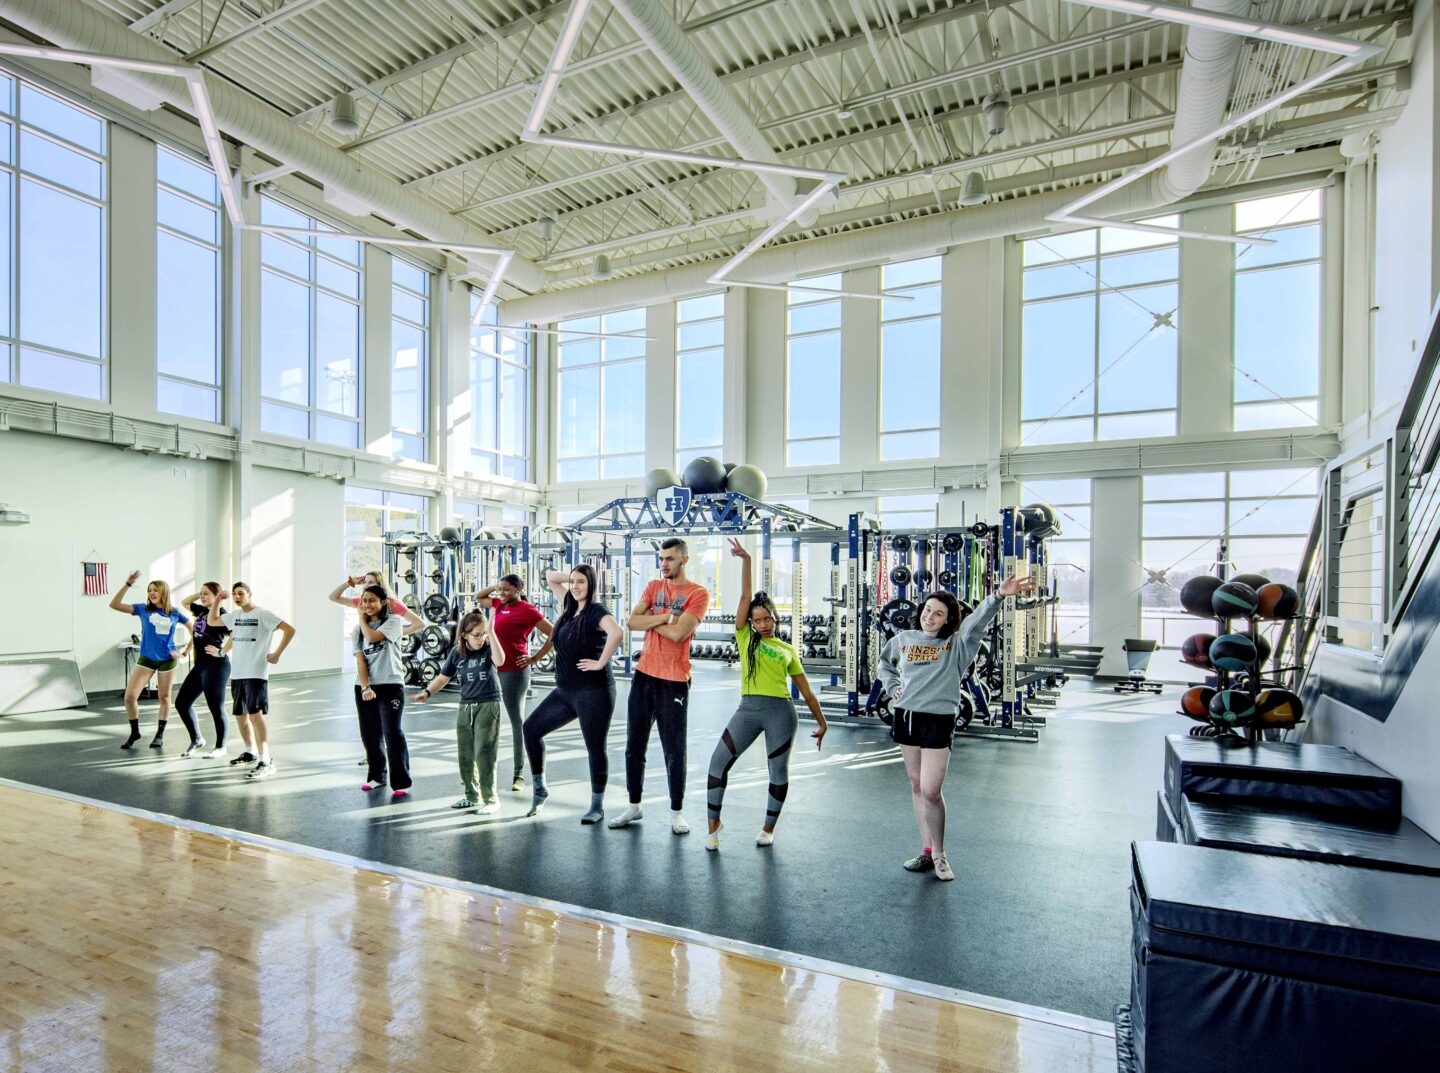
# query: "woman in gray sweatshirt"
921 670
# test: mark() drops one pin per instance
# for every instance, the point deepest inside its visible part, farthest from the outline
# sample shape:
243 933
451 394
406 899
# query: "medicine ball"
1262 646
1195 649
1038 520
1278 708
1253 580
1233 598
728 467
1233 652
1277 601
1195 595
1233 707
705 476
660 478
450 535
1195 702
747 481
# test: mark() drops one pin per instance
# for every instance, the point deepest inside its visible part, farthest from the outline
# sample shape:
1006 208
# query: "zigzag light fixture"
825 181
1352 54
194 78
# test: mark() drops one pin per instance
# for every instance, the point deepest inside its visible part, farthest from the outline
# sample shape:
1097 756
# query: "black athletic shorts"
925 729
250 695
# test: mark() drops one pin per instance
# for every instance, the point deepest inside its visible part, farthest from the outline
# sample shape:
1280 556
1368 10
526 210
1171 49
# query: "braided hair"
759 600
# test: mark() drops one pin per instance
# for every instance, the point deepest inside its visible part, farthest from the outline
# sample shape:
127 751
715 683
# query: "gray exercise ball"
728 467
747 481
660 478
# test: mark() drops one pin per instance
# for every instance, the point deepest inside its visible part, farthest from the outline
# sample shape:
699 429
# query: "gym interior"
707 535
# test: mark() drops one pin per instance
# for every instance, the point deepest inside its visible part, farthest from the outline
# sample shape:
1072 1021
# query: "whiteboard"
50 569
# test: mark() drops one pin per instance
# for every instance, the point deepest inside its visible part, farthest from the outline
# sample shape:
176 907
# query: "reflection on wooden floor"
129 944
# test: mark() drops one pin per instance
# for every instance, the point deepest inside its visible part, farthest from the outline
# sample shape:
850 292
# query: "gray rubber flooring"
1038 833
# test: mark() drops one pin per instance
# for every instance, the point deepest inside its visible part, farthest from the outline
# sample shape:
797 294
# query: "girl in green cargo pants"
472 663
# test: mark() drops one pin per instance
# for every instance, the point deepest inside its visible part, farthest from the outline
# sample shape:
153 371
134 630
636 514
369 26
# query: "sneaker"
678 825
712 840
195 748
488 809
923 863
218 751
942 868
518 783
247 757
464 802
158 742
367 787
263 770
765 838
400 793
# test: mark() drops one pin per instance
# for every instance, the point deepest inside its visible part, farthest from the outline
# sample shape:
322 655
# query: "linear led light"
1161 229
825 181
1351 54
194 78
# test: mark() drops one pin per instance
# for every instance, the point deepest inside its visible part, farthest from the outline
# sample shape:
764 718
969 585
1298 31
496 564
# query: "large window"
52 275
1068 573
409 358
1277 312
1263 515
187 287
812 375
910 361
370 513
499 396
699 378
600 398
1098 335
310 338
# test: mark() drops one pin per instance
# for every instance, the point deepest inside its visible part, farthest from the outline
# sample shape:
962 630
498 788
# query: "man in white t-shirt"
250 659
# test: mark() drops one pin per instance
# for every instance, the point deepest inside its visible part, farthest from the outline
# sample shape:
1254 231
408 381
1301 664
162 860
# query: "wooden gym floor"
134 944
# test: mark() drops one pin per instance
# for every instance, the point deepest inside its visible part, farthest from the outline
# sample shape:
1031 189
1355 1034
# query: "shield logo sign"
672 504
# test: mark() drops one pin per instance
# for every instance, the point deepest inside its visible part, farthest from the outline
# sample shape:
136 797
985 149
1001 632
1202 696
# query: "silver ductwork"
74 24
1205 82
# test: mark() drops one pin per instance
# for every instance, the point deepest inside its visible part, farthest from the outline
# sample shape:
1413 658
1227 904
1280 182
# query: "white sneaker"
488 809
263 770
943 871
464 802
712 840
195 748
219 751
765 838
631 814
678 824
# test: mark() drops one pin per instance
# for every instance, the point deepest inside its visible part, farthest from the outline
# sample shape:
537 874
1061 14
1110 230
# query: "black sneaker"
244 758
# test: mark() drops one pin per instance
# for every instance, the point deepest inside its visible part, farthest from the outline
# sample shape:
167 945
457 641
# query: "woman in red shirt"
513 621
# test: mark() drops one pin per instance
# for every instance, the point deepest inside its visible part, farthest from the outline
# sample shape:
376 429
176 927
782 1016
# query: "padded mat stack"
1258 963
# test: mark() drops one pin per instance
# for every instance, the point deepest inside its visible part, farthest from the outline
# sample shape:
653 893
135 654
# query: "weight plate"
429 671
437 608
952 542
900 543
980 529
410 576
433 640
407 645
437 576
895 616
900 575
923 578
966 711
947 579
411 601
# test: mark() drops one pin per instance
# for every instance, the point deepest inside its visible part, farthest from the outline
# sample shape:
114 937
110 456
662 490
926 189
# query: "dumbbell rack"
409 575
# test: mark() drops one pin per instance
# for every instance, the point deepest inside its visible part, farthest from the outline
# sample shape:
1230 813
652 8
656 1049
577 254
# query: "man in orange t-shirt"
669 611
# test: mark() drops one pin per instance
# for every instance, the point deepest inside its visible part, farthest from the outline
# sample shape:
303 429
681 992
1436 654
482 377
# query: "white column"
1115 571
132 274
660 386
764 349
736 321
375 353
860 371
1206 376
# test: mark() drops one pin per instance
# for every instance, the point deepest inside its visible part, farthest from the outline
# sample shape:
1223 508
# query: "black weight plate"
900 575
923 578
433 641
410 576
952 542
429 671
407 645
437 608
411 601
900 543
966 711
895 616
437 576
979 529
947 579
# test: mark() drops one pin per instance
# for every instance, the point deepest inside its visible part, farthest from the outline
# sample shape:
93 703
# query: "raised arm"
117 602
348 583
742 612
559 582
486 596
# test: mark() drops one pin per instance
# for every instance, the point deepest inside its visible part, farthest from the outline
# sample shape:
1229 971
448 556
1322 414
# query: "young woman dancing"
209 650
768 666
160 650
380 691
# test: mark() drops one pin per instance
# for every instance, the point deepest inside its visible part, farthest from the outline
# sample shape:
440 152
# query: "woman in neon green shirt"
767 667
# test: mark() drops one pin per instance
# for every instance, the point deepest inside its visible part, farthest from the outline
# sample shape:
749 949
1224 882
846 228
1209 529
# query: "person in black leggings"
585 638
210 643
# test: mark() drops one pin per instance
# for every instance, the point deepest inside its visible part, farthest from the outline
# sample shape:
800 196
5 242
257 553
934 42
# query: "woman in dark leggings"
210 643
380 691
585 638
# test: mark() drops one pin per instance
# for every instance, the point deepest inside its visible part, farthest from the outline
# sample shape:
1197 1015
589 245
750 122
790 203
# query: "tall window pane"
499 396
53 176
409 358
310 334
188 294
699 378
600 397
910 360
1099 343
1068 574
1277 312
812 374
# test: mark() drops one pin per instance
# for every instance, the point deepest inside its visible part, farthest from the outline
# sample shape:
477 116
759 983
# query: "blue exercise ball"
705 476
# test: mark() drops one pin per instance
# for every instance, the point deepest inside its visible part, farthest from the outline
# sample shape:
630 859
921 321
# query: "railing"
1355 583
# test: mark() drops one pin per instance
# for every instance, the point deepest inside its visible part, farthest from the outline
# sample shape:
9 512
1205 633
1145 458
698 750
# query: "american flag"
95 583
